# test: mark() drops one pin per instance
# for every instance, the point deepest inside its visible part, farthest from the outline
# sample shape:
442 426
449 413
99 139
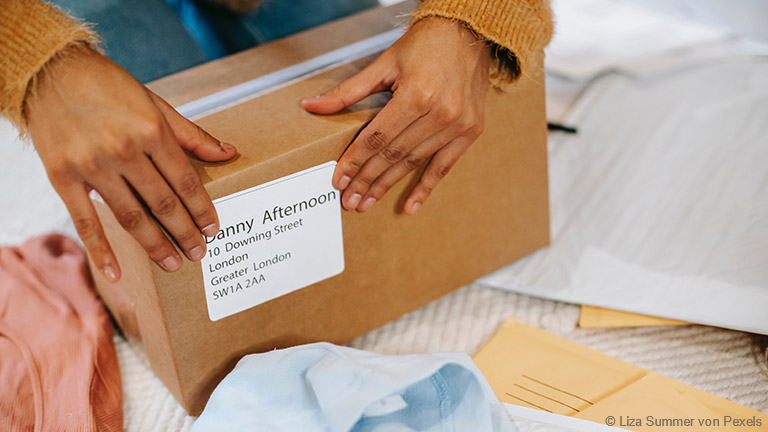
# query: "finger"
436 170
167 208
174 167
192 137
134 218
366 82
390 122
423 129
90 231
413 160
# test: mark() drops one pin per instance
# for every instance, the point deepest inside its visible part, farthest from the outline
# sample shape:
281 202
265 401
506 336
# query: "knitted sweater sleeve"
31 33
518 29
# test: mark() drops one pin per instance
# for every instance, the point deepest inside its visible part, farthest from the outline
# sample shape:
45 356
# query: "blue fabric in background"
200 27
155 38
275 19
325 387
146 37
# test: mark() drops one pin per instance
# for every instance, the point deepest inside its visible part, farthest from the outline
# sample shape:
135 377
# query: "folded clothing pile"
58 365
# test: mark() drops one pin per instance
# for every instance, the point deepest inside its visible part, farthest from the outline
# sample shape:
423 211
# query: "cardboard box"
489 211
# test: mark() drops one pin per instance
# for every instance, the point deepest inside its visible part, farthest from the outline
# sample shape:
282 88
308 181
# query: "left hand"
438 74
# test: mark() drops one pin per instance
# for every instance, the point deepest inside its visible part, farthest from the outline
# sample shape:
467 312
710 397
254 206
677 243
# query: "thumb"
366 82
192 137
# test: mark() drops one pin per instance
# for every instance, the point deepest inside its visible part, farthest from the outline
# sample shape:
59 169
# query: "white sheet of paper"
274 239
659 205
533 420
597 35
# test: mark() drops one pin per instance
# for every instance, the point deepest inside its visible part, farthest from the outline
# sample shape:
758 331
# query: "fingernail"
367 204
226 147
344 182
171 263
109 273
354 200
310 99
415 207
196 253
210 230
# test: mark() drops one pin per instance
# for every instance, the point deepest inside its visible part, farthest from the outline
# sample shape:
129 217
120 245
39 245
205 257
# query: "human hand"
96 128
438 74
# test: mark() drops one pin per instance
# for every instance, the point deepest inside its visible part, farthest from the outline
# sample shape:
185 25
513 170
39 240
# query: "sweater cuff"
519 30
31 33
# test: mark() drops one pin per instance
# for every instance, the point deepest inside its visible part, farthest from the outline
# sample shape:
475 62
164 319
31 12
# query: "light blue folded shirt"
329 388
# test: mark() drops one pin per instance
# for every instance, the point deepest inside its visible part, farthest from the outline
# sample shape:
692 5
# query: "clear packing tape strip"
256 87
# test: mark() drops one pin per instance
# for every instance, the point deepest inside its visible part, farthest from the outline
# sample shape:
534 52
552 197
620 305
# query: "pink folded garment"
58 366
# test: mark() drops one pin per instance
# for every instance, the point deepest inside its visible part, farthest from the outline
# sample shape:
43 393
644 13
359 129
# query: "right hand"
96 128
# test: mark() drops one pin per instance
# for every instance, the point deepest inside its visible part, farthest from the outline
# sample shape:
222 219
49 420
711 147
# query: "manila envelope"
530 367
597 317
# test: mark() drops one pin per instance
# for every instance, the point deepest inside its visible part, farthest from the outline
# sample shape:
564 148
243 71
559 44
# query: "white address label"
275 238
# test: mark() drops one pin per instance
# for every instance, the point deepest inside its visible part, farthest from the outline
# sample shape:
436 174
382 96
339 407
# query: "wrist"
477 46
61 65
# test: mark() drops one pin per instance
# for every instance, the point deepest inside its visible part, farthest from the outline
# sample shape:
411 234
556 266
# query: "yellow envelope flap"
597 317
660 406
531 367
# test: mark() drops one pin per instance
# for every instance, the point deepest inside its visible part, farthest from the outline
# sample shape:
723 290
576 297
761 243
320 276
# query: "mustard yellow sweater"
32 32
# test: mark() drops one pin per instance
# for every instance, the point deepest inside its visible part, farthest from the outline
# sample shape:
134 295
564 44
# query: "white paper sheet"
531 420
592 36
660 204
